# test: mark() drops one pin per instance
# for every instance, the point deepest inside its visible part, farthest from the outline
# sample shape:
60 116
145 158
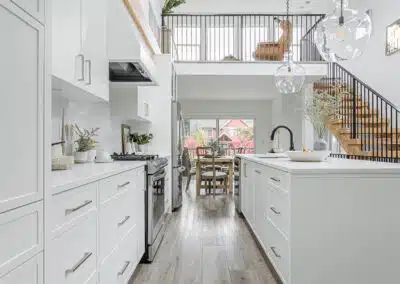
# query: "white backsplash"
91 115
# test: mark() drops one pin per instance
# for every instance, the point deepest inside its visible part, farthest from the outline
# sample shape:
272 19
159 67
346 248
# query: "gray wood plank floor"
206 243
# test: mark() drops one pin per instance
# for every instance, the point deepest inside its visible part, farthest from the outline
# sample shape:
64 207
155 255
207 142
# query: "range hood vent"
128 72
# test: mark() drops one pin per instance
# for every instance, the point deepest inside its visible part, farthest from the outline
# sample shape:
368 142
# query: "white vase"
320 145
91 155
128 148
80 157
143 148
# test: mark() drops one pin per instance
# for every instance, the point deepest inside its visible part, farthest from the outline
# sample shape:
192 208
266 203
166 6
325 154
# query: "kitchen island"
332 222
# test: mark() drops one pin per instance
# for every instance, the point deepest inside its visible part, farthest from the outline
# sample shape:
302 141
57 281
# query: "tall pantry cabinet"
24 89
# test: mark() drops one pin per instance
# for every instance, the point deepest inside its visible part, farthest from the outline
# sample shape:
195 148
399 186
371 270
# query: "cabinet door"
33 7
67 57
21 112
243 187
260 202
140 197
94 45
31 272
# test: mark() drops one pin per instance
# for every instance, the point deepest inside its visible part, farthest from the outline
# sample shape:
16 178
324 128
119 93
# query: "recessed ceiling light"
308 2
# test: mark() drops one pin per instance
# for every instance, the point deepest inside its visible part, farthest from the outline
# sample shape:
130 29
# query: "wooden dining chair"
189 169
211 177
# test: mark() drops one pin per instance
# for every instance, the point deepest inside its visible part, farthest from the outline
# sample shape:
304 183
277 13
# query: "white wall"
373 67
224 109
91 115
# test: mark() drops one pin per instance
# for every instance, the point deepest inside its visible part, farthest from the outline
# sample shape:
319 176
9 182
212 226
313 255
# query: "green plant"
170 5
140 139
85 141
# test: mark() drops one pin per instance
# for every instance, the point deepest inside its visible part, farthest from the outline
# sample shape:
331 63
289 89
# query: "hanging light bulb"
343 34
290 77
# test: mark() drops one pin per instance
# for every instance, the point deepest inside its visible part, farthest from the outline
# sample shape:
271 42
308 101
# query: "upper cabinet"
33 7
79 45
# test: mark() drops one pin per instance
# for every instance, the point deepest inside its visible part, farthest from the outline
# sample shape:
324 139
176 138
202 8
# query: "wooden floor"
206 243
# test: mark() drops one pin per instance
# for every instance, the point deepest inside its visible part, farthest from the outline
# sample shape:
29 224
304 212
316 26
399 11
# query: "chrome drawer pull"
258 172
275 179
85 257
70 211
123 221
123 185
275 253
275 211
124 268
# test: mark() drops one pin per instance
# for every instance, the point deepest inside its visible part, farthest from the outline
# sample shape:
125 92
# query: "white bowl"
315 156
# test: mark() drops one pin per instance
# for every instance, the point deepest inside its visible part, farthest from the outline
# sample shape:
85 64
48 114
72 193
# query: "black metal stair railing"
370 121
240 37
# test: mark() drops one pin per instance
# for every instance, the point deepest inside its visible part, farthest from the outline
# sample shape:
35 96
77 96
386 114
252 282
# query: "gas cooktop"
134 157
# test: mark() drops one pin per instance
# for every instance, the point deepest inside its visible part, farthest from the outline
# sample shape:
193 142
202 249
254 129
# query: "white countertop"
330 166
81 174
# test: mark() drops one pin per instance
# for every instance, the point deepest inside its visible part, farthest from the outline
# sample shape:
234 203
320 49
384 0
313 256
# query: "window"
220 43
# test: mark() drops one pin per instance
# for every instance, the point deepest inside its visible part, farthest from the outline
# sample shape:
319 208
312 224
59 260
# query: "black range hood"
129 72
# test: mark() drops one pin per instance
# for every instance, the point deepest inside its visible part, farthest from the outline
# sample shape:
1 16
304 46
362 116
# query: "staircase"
367 125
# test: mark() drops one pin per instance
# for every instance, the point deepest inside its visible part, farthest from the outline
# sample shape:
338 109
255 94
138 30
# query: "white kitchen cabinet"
21 113
79 45
33 7
30 272
68 61
103 238
321 222
130 102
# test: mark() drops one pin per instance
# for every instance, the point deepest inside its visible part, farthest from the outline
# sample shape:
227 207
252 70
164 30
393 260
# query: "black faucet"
291 137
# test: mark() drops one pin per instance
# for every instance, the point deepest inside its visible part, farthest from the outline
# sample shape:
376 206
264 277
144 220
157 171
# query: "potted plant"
141 140
318 108
85 151
169 6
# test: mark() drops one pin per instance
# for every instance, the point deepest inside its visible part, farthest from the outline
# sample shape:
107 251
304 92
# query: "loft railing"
370 120
235 37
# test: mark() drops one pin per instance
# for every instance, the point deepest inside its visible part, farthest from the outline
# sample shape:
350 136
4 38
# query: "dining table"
221 161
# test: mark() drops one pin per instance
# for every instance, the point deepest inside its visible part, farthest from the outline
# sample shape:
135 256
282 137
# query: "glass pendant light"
290 77
343 34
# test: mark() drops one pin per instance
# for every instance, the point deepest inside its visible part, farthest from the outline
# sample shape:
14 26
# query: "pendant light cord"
341 19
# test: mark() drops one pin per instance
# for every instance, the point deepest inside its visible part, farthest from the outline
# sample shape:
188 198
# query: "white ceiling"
255 6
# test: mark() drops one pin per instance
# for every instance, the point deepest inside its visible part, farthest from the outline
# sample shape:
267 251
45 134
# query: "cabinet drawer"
278 252
21 235
74 255
117 184
30 272
69 206
278 210
33 7
117 218
120 264
278 178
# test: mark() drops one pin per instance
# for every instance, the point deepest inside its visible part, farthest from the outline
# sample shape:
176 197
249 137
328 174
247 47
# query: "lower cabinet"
102 240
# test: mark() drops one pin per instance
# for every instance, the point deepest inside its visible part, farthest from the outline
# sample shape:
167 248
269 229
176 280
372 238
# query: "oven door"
156 204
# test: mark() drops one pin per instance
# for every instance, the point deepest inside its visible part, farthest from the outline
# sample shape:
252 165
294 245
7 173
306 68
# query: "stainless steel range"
157 178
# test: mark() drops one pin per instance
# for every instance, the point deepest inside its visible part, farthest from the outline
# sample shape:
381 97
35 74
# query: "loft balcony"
228 42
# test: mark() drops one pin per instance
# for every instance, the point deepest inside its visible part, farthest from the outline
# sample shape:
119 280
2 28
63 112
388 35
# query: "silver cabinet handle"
82 57
124 268
85 257
89 63
275 179
275 252
245 170
72 210
275 211
123 221
258 172
123 185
